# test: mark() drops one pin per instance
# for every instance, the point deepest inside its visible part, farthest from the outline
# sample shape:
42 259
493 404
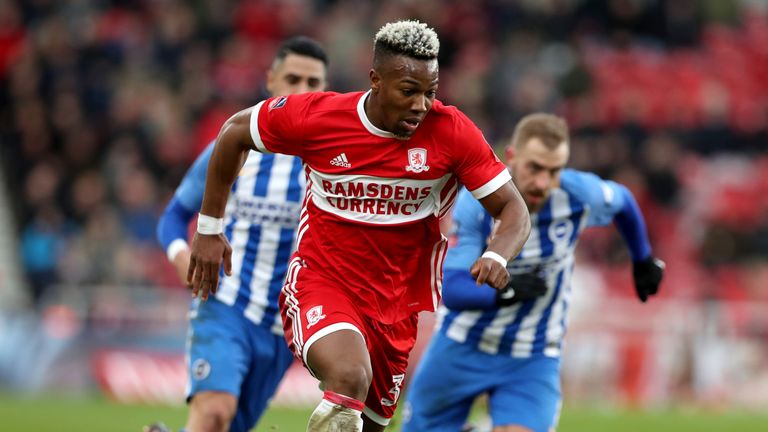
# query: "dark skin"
402 93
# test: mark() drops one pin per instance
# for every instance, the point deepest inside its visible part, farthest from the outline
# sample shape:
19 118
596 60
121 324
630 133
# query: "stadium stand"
12 286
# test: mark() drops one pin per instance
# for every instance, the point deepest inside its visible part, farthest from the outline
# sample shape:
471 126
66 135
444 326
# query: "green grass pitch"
77 414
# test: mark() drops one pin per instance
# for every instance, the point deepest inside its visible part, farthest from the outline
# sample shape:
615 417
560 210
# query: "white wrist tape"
496 257
175 247
209 225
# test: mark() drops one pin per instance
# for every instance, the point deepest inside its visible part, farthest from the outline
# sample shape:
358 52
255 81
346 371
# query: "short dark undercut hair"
301 45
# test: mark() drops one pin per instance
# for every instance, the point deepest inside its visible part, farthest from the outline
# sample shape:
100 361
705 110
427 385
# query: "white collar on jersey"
366 122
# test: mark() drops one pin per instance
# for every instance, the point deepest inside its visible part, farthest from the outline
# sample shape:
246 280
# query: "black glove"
521 287
647 275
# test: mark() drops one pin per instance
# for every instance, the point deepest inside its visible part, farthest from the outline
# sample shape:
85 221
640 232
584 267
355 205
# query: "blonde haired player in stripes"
506 343
382 167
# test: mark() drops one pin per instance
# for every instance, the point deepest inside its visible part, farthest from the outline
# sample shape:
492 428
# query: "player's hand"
522 287
647 274
489 271
208 251
181 264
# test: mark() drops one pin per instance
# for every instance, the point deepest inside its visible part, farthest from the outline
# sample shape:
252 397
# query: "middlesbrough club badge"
314 316
417 160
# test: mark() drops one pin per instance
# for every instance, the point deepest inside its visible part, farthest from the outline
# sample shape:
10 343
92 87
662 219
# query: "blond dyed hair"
408 37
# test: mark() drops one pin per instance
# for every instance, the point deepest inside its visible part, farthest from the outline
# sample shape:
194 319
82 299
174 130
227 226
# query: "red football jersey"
370 218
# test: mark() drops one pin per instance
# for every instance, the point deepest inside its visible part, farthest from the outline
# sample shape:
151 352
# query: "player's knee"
212 412
349 378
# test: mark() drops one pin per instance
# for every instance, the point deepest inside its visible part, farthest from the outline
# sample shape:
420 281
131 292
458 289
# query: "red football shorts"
313 308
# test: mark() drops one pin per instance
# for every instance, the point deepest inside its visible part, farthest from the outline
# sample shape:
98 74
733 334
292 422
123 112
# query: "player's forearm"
460 292
229 154
630 223
513 229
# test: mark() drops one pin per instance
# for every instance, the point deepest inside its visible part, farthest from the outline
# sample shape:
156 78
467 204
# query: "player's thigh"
324 330
218 352
530 396
268 363
340 360
447 380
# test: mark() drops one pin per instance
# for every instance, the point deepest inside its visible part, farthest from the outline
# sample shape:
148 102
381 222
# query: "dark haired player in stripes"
382 167
236 353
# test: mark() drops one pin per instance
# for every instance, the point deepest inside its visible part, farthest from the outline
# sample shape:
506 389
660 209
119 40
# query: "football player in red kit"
382 167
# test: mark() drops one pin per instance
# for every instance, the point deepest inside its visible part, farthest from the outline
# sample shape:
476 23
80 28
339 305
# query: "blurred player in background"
506 343
382 166
236 353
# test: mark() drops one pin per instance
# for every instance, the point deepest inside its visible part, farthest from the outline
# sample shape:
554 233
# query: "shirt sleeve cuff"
175 247
255 135
491 187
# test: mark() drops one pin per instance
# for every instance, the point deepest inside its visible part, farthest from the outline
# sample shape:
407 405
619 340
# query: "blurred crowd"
105 103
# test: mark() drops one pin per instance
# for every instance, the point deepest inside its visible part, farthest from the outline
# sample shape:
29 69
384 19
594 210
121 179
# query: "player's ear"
375 80
269 84
509 153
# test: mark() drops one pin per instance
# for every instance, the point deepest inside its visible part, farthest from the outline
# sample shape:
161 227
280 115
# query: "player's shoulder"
448 124
447 112
318 101
199 167
588 187
332 101
578 183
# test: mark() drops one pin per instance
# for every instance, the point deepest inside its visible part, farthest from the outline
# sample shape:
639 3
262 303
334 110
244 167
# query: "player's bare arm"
507 206
209 246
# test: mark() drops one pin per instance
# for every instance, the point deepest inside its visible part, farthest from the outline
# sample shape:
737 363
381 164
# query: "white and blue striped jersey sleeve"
172 226
603 198
471 226
190 191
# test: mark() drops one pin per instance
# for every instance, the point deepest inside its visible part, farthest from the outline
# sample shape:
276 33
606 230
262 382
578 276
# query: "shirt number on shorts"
394 391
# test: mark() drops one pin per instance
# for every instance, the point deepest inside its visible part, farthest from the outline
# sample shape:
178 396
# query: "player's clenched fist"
208 251
491 269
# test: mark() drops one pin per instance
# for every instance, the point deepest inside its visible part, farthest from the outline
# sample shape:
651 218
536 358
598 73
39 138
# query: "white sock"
337 413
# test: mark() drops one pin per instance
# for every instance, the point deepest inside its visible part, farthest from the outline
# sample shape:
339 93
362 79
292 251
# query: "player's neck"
373 114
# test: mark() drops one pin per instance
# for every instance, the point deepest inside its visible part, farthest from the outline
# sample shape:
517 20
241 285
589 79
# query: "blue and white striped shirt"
536 326
261 217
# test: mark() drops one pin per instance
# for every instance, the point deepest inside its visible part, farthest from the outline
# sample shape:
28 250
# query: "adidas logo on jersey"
341 161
